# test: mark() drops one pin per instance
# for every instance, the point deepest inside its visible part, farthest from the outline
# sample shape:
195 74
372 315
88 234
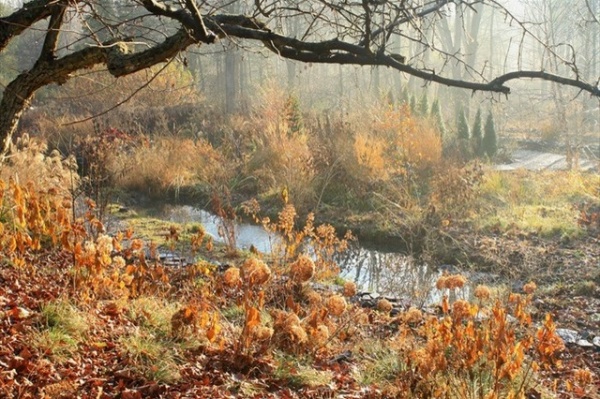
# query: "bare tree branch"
339 32
56 20
32 12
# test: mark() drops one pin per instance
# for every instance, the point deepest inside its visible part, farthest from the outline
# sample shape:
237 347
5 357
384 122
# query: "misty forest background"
89 305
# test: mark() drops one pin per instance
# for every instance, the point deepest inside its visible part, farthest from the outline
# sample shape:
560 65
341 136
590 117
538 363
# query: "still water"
386 273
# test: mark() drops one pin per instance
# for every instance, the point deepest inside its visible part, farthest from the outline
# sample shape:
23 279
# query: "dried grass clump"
349 289
302 269
255 272
385 306
29 162
336 305
231 277
176 163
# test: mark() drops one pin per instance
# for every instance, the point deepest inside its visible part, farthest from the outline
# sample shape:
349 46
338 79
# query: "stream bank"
563 269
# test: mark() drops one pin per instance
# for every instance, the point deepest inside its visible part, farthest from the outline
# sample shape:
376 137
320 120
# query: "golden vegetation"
488 349
263 310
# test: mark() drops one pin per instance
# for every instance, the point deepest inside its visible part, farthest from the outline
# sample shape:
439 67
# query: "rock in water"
584 343
568 336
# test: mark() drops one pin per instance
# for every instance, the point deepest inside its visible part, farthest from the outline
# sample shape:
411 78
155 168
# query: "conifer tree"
293 114
477 135
404 96
423 106
462 126
413 105
436 116
391 99
489 143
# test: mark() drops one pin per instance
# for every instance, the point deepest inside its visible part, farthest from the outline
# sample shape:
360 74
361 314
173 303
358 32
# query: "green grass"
545 203
64 328
234 314
297 371
56 344
151 357
153 315
380 365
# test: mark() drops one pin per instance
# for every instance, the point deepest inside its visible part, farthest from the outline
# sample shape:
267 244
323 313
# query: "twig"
146 84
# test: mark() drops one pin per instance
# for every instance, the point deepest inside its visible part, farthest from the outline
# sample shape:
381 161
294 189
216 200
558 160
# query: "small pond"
388 273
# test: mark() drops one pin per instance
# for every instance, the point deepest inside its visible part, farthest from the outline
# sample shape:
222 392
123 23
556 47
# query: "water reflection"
386 273
393 274
245 234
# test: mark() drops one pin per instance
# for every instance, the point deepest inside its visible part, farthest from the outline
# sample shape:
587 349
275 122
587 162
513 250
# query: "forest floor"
87 315
59 342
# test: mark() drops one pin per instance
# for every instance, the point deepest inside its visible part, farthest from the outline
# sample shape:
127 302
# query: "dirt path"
536 160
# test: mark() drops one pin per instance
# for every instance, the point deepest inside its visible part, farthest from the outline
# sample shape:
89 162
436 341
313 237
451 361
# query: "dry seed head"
514 298
440 284
89 248
119 262
292 319
413 315
336 305
314 298
530 287
255 272
104 244
321 334
482 292
383 305
349 289
455 281
297 334
362 319
302 269
262 333
461 309
278 316
231 277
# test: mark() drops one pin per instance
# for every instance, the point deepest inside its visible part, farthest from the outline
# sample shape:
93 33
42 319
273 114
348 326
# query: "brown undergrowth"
92 315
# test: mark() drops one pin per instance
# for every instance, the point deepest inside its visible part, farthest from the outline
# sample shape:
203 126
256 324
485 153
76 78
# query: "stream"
387 273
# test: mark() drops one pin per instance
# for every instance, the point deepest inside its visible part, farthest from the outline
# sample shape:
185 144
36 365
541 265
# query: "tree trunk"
232 81
17 94
48 70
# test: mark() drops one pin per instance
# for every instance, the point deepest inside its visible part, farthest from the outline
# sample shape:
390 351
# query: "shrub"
423 106
489 142
462 126
477 135
436 116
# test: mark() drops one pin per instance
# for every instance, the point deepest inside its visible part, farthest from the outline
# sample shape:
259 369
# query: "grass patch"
56 343
381 366
234 314
151 357
153 314
64 327
542 202
297 371
65 316
585 288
